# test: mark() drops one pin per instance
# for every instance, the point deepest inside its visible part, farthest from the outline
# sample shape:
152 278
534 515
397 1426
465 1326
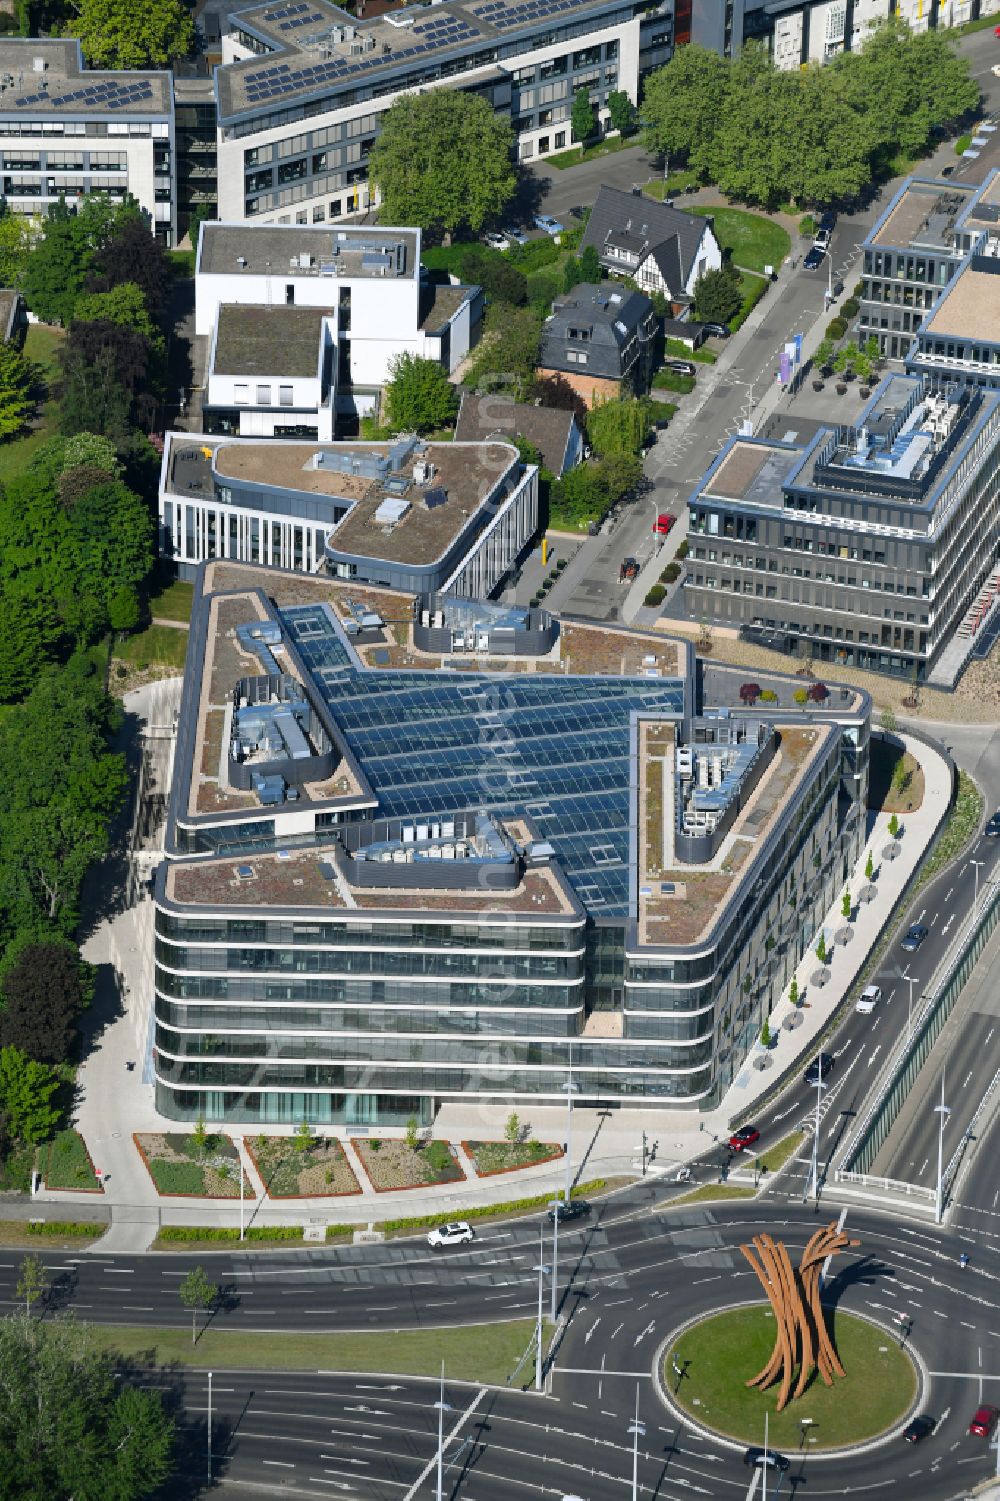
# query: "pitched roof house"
661 248
553 432
601 340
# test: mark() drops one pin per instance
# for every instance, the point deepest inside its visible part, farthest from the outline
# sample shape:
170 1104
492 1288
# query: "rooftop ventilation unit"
38 65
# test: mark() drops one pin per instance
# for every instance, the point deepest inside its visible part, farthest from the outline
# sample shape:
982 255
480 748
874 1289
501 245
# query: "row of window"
241 395
912 267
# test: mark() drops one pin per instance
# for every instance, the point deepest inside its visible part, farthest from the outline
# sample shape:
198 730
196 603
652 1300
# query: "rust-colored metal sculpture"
801 1337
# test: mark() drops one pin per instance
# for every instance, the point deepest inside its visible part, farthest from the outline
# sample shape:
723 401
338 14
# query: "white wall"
709 258
386 304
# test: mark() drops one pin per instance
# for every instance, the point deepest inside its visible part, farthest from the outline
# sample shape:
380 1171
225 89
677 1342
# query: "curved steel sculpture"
801 1337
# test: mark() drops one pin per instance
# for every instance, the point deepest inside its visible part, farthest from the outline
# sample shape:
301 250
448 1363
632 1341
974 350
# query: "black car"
716 330
814 259
828 221
826 1061
992 829
920 1428
679 367
576 1209
914 937
769 1457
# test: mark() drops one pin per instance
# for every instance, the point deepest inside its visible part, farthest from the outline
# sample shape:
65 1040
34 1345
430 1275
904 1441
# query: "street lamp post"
638 1431
819 1095
541 1269
911 981
209 1428
975 899
239 1164
942 1112
442 1407
569 1087
555 1207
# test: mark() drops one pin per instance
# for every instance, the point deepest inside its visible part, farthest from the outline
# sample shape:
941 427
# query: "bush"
533 255
850 308
670 573
768 696
177 1177
801 695
836 328
66 1227
682 550
655 596
481 1211
438 1157
255 1232
670 380
962 145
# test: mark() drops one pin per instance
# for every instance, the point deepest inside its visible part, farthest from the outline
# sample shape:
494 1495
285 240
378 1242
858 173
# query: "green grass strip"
485 1211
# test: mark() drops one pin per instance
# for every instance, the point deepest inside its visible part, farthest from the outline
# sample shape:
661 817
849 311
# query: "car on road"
663 524
680 367
995 70
717 330
769 1457
823 1061
512 232
576 1209
551 226
913 937
828 221
457 1233
496 241
984 1420
814 258
822 240
868 999
920 1428
992 829
743 1138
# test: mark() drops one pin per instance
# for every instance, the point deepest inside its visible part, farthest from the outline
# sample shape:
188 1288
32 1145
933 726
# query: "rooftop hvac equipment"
390 512
423 472
293 263
38 65
685 762
400 451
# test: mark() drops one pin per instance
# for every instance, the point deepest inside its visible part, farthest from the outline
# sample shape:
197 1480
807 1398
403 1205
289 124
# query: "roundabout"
706 1369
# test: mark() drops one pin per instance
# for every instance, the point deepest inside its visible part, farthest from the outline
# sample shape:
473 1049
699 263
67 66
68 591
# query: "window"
289 294
292 171
561 141
585 58
285 396
241 395
319 214
263 396
553 68
611 52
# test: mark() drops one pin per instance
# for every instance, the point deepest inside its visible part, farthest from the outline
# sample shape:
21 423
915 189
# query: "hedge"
836 328
671 572
91 1228
655 596
484 1211
255 1232
850 308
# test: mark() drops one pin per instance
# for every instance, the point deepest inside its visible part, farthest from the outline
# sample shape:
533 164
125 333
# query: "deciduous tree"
43 994
133 33
17 381
197 1293
617 427
26 1091
717 295
419 398
622 111
683 106
581 117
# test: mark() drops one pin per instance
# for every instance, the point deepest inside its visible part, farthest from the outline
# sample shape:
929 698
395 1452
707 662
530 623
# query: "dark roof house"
661 248
553 432
601 340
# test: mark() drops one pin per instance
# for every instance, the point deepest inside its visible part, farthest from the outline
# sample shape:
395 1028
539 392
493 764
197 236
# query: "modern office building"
410 515
960 339
67 130
304 86
862 545
537 862
600 340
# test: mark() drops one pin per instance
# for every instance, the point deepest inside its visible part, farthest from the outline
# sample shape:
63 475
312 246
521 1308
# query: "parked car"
576 1209
822 240
995 70
743 1138
769 1457
551 226
814 258
663 524
984 1420
992 829
913 937
868 999
920 1428
518 236
458 1233
496 241
680 367
828 221
825 1061
716 330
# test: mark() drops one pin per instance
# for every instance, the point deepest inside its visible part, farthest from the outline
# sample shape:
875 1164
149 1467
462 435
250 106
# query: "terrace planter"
819 385
841 388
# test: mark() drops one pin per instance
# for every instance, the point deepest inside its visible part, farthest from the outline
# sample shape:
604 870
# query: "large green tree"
683 105
443 161
133 33
616 427
26 1091
70 1428
17 382
17 234
582 120
419 398
59 262
717 295
43 990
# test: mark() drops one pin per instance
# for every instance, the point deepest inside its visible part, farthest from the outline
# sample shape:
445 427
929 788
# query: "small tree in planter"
887 721
801 696
412 1134
512 1130
793 992
845 905
749 693
818 692
303 1139
765 1034
893 833
821 953
822 359
870 863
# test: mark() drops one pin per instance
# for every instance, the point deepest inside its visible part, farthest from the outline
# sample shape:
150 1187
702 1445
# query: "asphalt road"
627 1283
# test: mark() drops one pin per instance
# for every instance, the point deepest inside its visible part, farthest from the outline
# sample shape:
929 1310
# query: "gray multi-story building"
857 544
396 878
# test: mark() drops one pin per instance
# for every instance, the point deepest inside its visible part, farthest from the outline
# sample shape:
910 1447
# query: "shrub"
481 1211
255 1232
768 696
962 145
801 695
670 380
850 308
836 328
749 693
374 1145
655 596
818 692
438 1157
670 573
65 1227
682 550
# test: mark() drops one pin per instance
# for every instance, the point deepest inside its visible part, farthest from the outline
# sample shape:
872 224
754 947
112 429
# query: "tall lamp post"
815 1161
975 900
942 1112
541 1269
570 1089
638 1431
209 1428
554 1208
442 1407
911 981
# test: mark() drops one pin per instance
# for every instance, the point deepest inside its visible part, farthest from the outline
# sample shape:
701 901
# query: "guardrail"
888 1185
901 1072
951 1171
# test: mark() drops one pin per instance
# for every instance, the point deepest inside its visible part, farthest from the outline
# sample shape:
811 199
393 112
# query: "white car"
496 242
515 235
868 1000
822 240
456 1234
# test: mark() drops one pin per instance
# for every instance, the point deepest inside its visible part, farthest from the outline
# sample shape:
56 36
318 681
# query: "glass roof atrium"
554 748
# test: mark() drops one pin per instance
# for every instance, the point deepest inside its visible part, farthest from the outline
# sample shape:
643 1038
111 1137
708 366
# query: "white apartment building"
305 323
303 86
813 33
66 131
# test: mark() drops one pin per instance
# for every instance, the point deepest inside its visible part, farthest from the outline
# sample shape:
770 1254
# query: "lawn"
290 1171
672 380
722 1352
709 1193
753 240
676 348
394 1164
15 1169
477 1352
61 1235
163 644
775 1157
41 347
678 183
172 600
178 1167
574 155
68 1164
504 1156
883 795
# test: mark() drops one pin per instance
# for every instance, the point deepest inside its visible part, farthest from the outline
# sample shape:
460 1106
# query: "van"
868 1000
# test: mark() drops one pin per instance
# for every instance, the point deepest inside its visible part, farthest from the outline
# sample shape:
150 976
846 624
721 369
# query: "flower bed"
492 1157
393 1164
68 1165
179 1169
289 1170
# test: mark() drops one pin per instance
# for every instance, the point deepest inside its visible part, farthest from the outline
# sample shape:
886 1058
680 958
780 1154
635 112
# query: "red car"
663 523
743 1138
983 1422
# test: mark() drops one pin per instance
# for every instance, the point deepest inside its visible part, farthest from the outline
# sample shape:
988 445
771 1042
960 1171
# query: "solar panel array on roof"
427 742
108 94
308 19
503 16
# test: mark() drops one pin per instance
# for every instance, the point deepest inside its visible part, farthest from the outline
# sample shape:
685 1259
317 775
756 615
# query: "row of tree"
817 135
